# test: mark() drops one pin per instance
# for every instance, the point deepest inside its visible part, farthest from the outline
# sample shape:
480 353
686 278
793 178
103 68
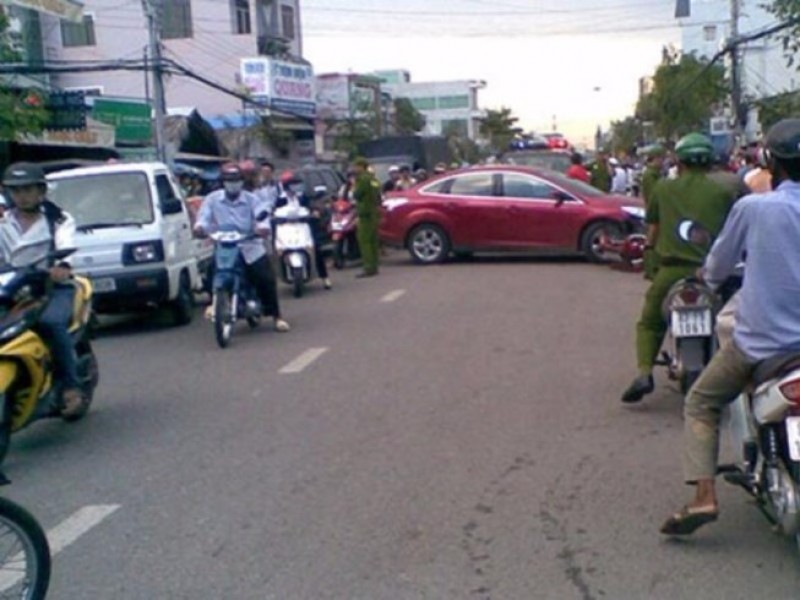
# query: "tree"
407 118
463 148
788 10
773 109
21 111
686 93
499 127
626 135
362 125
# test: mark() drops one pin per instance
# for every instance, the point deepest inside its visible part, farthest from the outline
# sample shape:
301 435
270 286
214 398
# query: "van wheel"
183 305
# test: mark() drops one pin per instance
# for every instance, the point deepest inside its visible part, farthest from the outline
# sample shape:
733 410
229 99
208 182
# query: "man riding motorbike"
764 226
235 208
35 220
669 258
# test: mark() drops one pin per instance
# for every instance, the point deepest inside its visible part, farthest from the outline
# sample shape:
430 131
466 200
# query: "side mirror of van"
172 206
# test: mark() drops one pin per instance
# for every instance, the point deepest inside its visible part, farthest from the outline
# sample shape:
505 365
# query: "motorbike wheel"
26 559
298 283
223 322
254 322
338 255
183 305
90 377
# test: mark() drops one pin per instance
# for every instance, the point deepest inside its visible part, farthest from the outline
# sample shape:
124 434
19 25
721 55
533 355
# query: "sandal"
689 520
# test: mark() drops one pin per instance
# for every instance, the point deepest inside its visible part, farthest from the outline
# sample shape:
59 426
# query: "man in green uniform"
653 171
694 197
367 194
600 175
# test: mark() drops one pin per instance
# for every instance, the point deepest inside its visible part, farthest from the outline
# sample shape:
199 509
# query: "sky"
572 63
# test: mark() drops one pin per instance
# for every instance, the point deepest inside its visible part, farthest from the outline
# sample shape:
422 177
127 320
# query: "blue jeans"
54 324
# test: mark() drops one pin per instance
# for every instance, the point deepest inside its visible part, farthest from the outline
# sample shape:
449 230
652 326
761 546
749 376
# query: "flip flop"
688 520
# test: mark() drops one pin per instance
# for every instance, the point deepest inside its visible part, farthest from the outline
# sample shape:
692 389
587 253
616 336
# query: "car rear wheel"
428 244
592 240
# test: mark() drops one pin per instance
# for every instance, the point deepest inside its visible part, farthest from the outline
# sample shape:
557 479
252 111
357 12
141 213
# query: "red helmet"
247 166
231 172
290 177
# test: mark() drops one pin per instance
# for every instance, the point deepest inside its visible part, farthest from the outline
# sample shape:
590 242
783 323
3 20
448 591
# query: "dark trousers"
54 326
319 258
262 276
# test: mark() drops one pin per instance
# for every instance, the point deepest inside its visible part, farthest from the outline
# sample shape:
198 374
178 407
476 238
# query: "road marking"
61 536
392 296
303 361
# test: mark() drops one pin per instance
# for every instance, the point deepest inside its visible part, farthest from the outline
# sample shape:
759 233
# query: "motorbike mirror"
694 233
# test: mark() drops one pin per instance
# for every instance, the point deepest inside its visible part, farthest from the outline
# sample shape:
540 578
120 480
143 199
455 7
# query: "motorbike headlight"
634 211
143 252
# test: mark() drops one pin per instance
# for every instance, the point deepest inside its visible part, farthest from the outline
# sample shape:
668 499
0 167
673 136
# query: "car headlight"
634 211
143 252
392 203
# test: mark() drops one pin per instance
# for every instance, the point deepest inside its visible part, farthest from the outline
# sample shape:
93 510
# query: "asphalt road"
454 433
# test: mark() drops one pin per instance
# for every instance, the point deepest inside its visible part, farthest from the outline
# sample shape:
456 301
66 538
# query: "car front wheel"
592 244
428 244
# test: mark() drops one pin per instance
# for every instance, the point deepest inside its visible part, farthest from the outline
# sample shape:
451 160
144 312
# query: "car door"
539 213
471 204
178 242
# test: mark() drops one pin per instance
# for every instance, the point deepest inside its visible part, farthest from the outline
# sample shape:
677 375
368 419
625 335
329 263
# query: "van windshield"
104 200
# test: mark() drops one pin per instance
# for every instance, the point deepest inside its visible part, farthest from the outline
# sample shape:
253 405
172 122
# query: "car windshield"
555 161
106 199
576 186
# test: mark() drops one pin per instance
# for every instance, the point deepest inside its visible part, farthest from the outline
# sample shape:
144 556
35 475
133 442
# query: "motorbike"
234 297
765 428
28 389
294 244
344 226
26 561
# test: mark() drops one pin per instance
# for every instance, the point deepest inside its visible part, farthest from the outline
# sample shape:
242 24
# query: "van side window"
165 190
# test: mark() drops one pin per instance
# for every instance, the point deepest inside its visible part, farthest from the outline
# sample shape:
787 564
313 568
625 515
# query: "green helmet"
695 149
24 174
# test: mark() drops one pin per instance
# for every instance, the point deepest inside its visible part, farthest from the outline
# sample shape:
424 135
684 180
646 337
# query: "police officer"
600 175
694 197
653 171
368 204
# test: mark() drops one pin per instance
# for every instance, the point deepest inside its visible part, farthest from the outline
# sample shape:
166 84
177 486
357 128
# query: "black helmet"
783 139
24 174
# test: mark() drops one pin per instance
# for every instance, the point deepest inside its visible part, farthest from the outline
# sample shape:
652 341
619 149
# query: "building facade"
449 107
208 38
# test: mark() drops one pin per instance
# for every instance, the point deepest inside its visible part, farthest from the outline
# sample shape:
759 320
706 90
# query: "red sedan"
506 208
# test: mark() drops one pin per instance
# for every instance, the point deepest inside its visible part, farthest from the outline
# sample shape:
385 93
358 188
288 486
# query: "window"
287 22
241 17
521 186
475 184
122 198
455 127
424 103
446 102
78 34
177 20
710 33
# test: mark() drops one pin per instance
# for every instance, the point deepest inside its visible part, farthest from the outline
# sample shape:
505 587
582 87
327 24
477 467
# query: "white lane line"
392 296
61 536
303 361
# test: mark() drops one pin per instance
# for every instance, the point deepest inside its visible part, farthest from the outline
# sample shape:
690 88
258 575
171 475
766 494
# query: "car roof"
147 167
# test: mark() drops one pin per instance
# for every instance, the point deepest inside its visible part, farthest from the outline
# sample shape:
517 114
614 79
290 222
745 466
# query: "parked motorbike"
234 297
765 425
294 244
344 227
26 562
28 389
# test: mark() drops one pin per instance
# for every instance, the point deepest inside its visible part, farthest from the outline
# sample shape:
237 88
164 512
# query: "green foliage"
407 118
787 10
499 127
463 148
363 125
773 109
685 94
280 139
625 135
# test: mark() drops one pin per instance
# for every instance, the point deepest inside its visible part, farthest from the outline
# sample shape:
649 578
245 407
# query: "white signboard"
284 86
66 9
333 97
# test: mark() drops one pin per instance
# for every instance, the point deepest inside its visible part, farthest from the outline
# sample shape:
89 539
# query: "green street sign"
132 119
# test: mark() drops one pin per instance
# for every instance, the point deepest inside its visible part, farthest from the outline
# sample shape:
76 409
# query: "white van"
134 236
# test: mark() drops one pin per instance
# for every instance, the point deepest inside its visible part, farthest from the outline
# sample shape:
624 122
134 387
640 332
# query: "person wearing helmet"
694 197
394 176
764 227
35 220
293 187
653 172
236 208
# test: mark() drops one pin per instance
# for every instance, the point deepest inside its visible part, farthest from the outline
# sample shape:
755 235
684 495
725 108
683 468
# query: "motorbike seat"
776 367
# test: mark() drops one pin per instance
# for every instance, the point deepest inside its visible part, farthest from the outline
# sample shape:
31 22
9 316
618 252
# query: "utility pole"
736 71
152 10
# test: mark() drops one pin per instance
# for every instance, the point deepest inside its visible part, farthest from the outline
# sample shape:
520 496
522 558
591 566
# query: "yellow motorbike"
28 389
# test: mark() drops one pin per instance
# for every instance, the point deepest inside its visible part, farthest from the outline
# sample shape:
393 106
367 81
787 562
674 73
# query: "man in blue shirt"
764 226
235 208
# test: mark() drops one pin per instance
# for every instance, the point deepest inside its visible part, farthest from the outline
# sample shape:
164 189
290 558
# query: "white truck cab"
134 236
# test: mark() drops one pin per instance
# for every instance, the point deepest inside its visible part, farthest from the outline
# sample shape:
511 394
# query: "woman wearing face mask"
293 187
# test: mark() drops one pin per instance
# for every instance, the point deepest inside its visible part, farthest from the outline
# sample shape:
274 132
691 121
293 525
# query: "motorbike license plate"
691 323
793 437
104 285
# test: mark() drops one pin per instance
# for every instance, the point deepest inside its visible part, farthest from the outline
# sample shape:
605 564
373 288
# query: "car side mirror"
560 197
172 206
